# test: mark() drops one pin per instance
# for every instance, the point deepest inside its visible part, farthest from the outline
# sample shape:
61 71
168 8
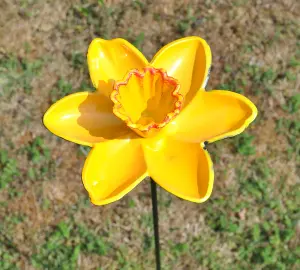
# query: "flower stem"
155 223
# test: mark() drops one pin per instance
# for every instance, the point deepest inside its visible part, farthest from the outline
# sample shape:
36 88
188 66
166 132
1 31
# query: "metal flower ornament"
149 119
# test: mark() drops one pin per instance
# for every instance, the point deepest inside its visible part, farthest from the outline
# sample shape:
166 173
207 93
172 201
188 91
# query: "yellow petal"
188 60
212 116
84 118
112 169
110 60
184 169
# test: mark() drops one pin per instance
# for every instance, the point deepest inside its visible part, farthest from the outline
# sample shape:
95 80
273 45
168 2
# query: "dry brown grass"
53 30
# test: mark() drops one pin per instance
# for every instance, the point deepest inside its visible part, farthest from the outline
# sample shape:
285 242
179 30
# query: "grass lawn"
252 219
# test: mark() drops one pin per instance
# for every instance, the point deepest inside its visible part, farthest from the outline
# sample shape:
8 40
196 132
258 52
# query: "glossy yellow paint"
188 60
155 96
113 168
133 97
184 169
213 115
84 118
110 60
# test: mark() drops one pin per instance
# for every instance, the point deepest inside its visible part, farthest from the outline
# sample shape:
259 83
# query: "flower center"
147 100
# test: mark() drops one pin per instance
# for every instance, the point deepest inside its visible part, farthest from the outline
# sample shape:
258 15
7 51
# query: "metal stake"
155 223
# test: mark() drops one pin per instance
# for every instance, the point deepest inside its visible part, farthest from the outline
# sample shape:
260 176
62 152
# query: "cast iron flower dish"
149 119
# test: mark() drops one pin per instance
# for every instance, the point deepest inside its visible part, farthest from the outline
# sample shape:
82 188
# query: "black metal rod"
155 223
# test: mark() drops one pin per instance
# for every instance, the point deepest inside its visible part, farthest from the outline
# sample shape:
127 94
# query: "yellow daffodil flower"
149 119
